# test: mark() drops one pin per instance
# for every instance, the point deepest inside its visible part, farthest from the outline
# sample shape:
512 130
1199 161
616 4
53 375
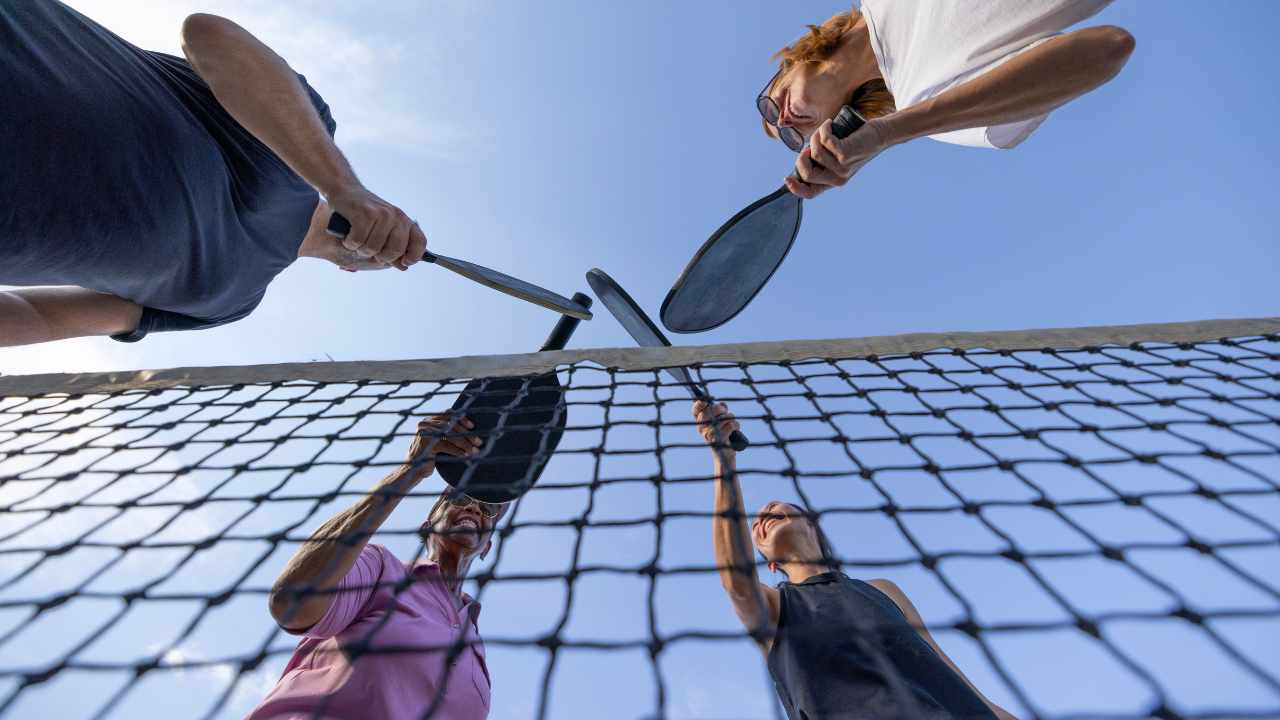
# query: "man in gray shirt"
158 193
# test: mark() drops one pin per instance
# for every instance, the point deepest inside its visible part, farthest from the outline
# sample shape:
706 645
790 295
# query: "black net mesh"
1088 533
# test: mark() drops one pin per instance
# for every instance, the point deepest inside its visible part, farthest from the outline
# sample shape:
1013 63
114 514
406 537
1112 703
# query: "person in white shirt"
983 73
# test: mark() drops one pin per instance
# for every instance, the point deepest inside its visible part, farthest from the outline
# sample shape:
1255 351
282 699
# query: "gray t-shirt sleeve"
153 320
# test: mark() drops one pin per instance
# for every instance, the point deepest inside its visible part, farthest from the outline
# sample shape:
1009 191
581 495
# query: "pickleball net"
1088 520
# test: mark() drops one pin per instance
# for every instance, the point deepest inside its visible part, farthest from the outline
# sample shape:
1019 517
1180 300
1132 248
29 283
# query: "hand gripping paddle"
532 413
646 334
339 226
738 259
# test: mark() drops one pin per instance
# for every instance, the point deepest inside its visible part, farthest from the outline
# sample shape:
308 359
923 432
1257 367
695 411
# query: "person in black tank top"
836 647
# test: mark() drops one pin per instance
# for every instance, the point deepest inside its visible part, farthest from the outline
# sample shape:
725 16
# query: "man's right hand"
379 230
440 435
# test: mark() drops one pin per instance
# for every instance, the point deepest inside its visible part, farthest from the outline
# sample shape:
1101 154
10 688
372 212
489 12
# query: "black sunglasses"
487 509
770 112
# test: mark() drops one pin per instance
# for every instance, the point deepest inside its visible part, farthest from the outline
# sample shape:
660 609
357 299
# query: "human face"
781 530
805 95
462 522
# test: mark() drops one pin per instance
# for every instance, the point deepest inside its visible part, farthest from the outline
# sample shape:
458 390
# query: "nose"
784 115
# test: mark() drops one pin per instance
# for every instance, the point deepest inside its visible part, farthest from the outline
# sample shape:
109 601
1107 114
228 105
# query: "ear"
487 545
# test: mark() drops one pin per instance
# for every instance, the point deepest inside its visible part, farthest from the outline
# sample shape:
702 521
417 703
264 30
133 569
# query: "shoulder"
895 593
888 587
381 557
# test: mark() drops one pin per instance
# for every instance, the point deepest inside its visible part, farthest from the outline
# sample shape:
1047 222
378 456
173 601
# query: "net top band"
633 358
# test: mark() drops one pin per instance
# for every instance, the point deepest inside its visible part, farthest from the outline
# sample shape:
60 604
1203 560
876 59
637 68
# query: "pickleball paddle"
521 421
646 334
339 226
737 260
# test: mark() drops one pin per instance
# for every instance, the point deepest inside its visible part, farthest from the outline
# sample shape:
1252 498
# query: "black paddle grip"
563 330
737 440
338 226
846 122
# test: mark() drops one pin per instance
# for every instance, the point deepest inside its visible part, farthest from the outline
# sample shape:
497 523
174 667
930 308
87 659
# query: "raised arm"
305 589
1031 84
45 314
909 611
258 89
755 603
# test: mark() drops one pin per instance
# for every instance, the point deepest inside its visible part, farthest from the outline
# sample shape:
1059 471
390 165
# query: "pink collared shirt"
419 622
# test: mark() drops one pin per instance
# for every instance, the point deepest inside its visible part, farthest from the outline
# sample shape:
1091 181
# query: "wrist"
901 126
406 477
342 182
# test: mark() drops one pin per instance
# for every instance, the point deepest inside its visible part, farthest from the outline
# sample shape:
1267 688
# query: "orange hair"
871 99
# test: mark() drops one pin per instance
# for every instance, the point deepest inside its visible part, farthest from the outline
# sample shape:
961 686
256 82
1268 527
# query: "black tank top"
843 649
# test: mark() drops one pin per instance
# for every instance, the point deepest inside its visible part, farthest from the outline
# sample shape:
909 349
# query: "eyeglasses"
770 112
487 509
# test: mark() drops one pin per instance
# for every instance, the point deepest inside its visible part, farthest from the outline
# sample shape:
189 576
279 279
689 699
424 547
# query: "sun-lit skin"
808 94
783 535
456 536
318 243
1033 83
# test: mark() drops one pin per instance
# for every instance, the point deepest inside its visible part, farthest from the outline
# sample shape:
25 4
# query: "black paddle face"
641 329
531 427
520 421
734 264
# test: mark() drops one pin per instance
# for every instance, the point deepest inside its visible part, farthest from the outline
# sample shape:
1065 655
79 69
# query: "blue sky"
547 139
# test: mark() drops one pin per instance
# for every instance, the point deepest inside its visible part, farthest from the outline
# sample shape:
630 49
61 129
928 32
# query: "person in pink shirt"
382 638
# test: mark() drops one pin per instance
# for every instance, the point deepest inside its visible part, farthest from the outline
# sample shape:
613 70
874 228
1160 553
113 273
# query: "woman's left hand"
828 162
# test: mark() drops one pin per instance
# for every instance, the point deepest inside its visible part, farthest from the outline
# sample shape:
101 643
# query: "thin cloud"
355 71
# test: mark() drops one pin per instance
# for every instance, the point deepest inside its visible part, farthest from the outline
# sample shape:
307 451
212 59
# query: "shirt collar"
829 576
432 570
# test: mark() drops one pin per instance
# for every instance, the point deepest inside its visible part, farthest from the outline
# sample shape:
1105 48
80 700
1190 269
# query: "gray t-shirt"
121 173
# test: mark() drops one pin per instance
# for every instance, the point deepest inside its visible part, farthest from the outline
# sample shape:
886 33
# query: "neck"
798 572
453 568
854 62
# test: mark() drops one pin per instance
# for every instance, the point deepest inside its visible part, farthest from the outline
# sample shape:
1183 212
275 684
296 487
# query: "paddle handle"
340 227
563 330
737 440
846 122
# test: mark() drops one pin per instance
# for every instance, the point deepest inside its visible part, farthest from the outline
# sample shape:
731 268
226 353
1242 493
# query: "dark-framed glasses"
771 114
487 509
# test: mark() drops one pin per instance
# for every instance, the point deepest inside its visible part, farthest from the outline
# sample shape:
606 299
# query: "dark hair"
827 552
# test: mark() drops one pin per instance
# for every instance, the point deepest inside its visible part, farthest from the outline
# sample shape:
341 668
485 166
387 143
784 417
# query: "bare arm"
36 315
900 599
305 588
258 89
756 604
1031 84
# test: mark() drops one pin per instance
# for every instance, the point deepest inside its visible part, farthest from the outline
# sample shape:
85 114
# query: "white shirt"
925 47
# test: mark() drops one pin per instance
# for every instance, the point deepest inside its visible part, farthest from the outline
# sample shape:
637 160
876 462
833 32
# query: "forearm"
45 314
731 535
328 554
1029 85
259 89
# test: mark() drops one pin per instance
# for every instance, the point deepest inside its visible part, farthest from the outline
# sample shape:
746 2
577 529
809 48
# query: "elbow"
202 35
1112 47
290 612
